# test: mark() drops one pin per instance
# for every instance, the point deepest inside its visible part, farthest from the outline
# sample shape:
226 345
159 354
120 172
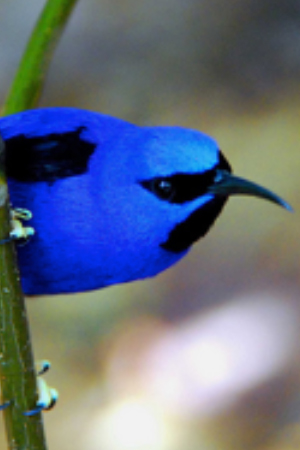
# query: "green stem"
17 372
28 82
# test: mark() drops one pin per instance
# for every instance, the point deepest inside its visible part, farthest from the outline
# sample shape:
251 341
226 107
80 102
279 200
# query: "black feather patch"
180 188
194 227
198 223
184 187
47 158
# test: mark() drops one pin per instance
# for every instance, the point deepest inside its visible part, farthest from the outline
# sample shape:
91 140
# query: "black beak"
226 184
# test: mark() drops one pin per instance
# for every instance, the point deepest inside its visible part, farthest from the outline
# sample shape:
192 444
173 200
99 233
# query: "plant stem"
17 372
27 85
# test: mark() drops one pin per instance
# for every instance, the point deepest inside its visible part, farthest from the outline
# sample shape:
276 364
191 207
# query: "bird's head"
175 182
190 171
111 201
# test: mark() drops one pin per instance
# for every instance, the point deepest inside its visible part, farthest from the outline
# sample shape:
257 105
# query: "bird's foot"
19 232
47 396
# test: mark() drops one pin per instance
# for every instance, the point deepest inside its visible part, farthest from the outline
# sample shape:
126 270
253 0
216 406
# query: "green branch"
17 371
17 374
28 82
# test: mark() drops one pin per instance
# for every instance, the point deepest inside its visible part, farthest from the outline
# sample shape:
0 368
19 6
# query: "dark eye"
180 188
163 188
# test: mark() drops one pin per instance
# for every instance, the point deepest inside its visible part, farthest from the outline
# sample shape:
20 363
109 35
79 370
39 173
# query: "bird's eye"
163 188
180 187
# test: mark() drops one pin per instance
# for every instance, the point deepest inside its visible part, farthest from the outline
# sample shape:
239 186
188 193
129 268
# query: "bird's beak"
226 184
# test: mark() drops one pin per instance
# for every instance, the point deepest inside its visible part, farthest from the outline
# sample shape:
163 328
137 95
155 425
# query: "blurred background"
206 355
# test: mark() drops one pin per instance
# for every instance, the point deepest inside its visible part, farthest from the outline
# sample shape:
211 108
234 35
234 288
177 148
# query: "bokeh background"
206 355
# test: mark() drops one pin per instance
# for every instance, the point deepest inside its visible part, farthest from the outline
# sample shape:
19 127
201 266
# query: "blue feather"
111 201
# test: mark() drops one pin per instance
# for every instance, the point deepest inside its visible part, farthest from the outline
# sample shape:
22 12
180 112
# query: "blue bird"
112 202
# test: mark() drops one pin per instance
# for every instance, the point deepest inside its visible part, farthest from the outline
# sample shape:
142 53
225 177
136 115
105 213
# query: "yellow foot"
47 396
18 231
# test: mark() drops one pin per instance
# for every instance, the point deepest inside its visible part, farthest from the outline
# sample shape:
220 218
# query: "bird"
111 201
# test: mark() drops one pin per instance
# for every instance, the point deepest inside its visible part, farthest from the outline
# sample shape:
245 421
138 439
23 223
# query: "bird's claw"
47 396
21 214
19 232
